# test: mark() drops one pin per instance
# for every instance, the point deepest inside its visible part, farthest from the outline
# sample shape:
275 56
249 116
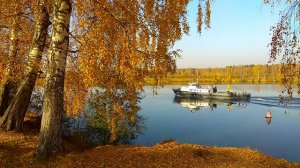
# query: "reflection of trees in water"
109 117
114 115
256 88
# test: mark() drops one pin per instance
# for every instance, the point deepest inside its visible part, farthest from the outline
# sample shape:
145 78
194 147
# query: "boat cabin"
195 88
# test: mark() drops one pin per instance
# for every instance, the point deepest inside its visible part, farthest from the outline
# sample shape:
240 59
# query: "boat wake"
276 102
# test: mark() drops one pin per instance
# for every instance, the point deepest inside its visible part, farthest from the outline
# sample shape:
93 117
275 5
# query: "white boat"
193 90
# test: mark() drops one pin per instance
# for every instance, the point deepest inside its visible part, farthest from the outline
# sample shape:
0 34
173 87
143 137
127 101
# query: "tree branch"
4 26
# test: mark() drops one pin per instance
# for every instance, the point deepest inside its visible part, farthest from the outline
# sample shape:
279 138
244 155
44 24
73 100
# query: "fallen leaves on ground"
17 150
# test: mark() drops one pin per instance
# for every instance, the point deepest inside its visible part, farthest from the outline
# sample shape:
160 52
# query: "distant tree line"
243 74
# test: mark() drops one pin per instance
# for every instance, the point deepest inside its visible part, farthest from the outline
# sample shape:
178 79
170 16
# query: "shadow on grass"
202 153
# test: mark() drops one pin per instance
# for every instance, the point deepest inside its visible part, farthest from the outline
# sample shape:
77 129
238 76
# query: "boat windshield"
193 84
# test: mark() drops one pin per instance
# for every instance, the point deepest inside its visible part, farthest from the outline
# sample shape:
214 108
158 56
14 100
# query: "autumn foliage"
285 42
106 45
112 45
117 48
242 74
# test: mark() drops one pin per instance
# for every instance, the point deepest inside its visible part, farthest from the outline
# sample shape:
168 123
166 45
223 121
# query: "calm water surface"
217 123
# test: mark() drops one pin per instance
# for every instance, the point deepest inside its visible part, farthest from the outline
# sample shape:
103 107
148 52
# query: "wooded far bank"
243 74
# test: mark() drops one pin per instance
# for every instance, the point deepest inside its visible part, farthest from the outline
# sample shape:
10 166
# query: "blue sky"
240 35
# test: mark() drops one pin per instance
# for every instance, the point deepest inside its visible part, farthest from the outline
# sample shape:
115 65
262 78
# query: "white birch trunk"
17 108
50 139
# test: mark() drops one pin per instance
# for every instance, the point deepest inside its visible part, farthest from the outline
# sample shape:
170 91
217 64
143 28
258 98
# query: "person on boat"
228 88
215 89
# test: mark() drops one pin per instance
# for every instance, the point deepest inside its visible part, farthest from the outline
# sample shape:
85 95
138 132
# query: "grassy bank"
16 150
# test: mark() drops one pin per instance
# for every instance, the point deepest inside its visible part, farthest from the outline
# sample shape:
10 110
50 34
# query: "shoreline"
17 149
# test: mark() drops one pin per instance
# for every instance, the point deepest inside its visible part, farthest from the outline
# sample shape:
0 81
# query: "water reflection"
115 115
268 121
197 104
109 117
194 105
245 126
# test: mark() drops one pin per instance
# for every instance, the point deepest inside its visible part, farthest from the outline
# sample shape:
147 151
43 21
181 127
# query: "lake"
226 124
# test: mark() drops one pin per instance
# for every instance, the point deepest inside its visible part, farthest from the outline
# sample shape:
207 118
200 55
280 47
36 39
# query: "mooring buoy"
268 114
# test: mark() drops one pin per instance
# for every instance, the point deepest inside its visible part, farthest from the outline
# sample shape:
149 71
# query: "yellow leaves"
185 25
285 43
123 42
82 23
207 16
230 74
199 18
208 13
272 2
2 69
14 39
75 92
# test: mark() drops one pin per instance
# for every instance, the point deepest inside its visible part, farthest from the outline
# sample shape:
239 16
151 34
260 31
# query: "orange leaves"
121 43
206 15
15 37
272 2
75 92
2 70
285 42
199 18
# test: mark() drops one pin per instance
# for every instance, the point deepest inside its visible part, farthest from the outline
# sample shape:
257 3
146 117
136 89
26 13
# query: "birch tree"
16 33
9 82
285 43
123 41
125 46
50 139
16 110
